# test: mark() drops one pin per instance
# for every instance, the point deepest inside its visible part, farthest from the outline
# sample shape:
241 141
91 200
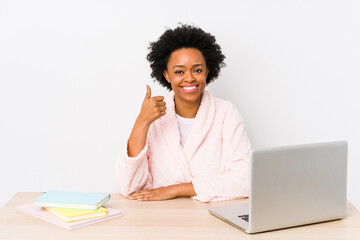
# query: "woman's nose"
189 77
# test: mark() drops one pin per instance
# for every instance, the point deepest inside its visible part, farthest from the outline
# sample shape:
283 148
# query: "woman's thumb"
148 92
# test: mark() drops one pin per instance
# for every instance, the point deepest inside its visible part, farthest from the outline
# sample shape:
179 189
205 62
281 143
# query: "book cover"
42 214
70 215
74 200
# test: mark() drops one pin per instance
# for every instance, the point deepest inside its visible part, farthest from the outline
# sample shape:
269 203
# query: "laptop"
292 186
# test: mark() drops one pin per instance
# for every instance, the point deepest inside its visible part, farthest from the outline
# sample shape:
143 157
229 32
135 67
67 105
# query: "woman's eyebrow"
178 66
195 65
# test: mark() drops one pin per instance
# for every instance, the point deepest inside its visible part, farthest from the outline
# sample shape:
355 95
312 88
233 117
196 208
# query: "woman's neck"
187 109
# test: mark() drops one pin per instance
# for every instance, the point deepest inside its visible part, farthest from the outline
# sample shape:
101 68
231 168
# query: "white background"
73 75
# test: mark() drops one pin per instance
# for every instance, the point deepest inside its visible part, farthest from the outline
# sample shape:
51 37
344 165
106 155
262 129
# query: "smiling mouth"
189 89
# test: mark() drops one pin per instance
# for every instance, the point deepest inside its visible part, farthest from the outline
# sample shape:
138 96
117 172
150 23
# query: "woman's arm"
132 169
137 139
152 108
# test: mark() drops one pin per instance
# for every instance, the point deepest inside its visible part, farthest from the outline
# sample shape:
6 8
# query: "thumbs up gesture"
152 107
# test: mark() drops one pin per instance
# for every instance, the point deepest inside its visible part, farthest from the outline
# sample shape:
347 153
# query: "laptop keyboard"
244 217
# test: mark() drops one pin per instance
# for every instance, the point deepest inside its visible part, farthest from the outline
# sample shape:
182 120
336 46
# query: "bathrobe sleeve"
235 149
132 173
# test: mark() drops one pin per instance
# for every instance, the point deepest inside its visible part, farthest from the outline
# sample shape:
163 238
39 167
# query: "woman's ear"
207 72
166 75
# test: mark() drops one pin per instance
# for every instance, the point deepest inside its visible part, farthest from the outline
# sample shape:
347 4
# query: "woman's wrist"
184 190
142 122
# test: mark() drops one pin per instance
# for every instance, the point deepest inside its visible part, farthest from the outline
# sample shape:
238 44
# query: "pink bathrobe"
215 156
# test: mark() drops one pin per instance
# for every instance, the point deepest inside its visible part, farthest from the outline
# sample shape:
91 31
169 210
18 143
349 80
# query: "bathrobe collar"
203 121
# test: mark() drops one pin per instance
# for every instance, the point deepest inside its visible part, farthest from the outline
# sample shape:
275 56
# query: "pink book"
41 213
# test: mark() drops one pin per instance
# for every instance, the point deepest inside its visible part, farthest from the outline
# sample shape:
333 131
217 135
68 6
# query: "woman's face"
187 72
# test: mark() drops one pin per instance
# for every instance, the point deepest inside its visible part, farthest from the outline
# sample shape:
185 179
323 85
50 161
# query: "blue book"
74 200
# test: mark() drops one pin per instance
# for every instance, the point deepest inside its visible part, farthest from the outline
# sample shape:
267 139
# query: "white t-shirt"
185 125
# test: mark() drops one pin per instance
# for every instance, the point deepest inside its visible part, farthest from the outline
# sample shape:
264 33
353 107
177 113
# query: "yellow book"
70 215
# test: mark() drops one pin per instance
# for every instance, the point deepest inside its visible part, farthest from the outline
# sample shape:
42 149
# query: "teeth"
189 88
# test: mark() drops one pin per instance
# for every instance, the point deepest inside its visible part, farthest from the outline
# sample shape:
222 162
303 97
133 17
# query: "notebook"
42 214
70 215
74 200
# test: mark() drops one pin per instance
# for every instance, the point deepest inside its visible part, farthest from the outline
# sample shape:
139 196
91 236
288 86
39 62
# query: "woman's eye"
179 72
198 71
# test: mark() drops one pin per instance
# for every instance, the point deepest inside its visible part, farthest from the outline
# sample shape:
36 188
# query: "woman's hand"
156 194
152 107
164 193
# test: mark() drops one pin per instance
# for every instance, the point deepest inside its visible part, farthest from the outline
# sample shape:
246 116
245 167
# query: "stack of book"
71 210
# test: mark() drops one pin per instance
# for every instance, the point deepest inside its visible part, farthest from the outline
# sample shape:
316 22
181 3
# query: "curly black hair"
184 36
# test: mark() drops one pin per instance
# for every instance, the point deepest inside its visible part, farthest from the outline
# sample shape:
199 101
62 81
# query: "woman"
189 144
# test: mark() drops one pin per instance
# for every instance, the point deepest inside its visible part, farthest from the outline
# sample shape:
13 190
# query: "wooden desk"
182 218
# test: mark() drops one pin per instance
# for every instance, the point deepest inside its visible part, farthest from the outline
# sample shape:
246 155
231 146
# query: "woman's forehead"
186 56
